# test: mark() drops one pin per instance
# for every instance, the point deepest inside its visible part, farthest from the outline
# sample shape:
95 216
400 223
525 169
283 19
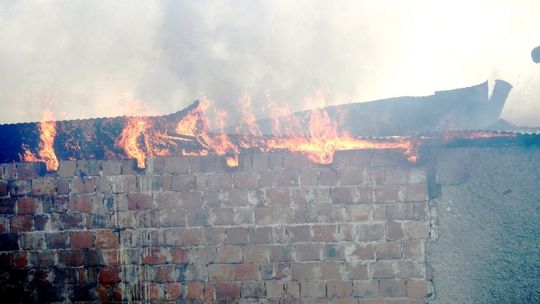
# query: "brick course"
277 228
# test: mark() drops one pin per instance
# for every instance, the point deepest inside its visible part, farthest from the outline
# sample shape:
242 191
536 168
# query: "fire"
134 129
47 134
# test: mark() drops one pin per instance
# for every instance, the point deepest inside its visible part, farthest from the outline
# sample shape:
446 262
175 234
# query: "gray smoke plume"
104 58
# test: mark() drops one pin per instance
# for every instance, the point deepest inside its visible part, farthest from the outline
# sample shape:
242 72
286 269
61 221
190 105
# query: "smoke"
95 58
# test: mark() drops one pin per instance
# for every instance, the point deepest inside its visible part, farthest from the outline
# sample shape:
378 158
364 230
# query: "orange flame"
47 134
135 127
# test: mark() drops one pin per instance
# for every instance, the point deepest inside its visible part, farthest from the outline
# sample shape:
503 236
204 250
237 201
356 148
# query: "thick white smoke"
100 58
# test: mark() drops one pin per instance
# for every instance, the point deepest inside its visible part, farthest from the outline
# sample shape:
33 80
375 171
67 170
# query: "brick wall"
276 229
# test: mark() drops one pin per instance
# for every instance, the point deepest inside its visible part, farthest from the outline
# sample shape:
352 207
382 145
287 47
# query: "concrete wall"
487 220
278 229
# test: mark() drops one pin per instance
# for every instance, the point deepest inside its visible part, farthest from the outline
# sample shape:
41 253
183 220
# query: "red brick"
111 167
237 198
356 271
139 201
416 230
81 239
20 259
227 290
172 291
82 185
214 235
244 272
109 275
219 182
417 289
21 223
80 204
256 254
43 186
106 239
307 252
110 257
194 291
223 216
3 188
286 178
309 177
366 288
152 256
209 292
392 288
278 196
26 205
236 235
370 232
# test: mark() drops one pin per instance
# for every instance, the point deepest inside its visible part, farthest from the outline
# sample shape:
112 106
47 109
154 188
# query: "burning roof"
316 133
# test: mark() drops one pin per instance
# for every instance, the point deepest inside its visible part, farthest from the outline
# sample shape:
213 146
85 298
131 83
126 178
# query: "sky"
85 59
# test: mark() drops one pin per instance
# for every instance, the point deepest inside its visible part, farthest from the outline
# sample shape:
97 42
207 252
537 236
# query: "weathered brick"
222 216
394 231
66 168
356 271
3 188
299 233
33 241
328 177
255 254
389 250
62 186
172 291
358 213
229 290
139 201
111 167
312 289
392 288
106 239
338 289
353 176
7 205
229 254
342 195
82 185
281 253
236 235
388 194
370 232
307 252
80 204
255 290
153 256
81 239
309 177
57 240
260 235
20 259
238 198
21 223
417 288
286 177
267 216
275 289
416 230
244 272
182 182
415 193
246 180
413 249
122 183
278 196
44 258
71 257
20 188
365 288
